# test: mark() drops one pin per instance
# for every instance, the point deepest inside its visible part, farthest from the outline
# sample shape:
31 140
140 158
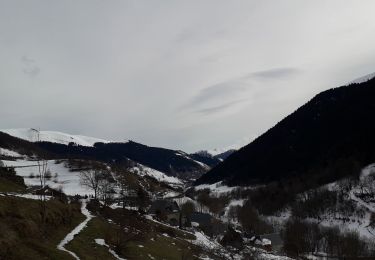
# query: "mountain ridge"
314 138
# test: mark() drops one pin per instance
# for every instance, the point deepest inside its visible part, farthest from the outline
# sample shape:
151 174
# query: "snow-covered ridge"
183 154
142 170
363 79
6 152
33 135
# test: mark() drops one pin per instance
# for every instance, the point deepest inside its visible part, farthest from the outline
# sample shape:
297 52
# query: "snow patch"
204 241
101 242
216 188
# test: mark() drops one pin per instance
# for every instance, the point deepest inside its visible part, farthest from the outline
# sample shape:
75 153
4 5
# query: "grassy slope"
150 240
23 236
10 186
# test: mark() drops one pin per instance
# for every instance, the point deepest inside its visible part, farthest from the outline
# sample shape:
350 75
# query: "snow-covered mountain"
219 154
33 135
170 162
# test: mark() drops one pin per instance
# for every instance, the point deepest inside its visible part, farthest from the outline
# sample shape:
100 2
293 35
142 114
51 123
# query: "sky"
187 75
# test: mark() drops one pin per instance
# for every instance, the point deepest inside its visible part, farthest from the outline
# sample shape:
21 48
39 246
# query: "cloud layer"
186 75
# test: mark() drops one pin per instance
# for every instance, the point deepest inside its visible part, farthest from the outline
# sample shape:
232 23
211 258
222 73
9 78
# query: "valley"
300 191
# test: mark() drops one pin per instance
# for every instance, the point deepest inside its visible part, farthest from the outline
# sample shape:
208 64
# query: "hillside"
118 224
329 137
59 145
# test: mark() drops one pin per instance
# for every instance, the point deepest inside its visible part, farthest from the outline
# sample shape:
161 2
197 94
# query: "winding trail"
69 237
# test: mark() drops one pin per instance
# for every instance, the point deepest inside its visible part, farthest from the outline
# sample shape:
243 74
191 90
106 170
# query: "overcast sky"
187 75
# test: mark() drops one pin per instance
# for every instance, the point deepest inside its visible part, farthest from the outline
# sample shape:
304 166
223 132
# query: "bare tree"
105 189
42 163
42 169
91 179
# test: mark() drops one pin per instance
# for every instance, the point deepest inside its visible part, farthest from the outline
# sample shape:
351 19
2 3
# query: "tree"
233 212
42 169
203 198
105 188
372 219
350 245
295 240
187 209
143 199
92 178
127 183
250 220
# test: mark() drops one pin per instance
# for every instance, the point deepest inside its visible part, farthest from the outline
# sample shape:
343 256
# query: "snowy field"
61 176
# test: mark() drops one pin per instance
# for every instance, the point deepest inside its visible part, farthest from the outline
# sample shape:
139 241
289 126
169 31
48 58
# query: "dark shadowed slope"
330 136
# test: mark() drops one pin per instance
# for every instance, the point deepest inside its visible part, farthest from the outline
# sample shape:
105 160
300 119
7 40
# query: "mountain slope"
64 146
165 160
329 137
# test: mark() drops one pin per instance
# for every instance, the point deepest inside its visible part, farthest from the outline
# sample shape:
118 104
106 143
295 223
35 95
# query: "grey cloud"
32 71
218 97
220 90
220 108
27 59
276 73
234 87
30 67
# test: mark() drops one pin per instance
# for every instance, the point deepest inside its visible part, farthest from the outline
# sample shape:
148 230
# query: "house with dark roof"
166 210
48 191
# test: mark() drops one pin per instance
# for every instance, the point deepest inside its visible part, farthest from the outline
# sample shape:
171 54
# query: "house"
166 210
261 242
270 242
276 241
48 191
